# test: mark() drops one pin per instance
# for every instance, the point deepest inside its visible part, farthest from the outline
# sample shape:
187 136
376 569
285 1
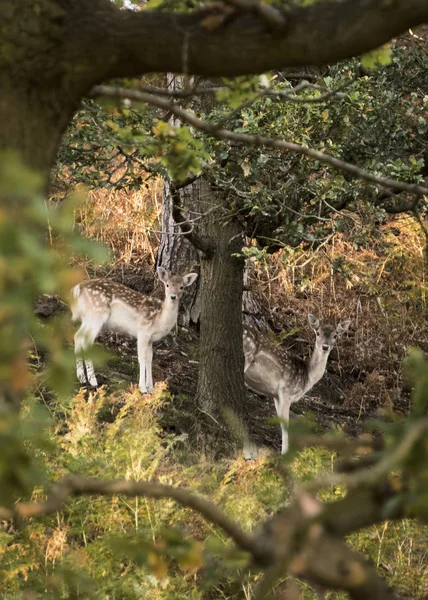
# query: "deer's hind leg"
84 338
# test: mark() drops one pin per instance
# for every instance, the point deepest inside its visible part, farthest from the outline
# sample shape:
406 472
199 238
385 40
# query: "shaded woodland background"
372 268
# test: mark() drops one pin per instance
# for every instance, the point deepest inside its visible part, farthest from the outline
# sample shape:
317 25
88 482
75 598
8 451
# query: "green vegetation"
133 548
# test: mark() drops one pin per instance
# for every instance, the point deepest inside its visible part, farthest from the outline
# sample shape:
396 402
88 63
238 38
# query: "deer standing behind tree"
99 303
272 371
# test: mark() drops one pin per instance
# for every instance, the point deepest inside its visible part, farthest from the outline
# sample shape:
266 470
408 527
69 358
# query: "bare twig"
292 97
313 254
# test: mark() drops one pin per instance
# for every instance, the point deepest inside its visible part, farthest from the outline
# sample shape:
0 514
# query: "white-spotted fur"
272 371
99 303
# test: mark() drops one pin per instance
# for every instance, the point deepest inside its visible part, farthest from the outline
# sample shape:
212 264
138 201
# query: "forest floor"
118 433
167 437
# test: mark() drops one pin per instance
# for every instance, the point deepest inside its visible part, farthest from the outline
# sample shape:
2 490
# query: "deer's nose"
325 347
173 296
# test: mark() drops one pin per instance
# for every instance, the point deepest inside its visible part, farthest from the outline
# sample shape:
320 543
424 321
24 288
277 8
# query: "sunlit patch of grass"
399 549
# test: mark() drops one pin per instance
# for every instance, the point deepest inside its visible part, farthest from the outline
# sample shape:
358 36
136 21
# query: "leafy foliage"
120 548
289 199
35 240
377 122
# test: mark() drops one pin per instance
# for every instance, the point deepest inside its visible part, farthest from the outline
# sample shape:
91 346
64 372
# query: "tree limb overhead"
214 130
224 40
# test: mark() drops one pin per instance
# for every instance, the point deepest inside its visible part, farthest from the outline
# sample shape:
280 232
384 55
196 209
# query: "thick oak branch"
188 229
225 40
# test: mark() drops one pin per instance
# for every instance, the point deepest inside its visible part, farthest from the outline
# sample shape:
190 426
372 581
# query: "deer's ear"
163 274
343 326
189 279
314 322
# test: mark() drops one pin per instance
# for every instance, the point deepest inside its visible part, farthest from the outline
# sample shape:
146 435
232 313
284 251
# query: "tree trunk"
178 255
251 309
219 296
221 371
45 71
219 237
53 51
176 252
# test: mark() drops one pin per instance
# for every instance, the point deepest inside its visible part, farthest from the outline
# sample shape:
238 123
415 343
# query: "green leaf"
380 56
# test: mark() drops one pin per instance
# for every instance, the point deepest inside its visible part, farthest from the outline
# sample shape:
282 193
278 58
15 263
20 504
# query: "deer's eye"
181 287
167 285
318 333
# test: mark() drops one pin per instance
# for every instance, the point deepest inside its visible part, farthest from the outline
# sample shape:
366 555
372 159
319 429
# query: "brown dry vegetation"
379 284
128 224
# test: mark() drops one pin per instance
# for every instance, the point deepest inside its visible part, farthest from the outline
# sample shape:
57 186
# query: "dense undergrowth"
374 273
371 268
140 548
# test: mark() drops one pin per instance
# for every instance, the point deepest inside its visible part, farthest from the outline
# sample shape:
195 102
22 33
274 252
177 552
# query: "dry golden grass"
127 222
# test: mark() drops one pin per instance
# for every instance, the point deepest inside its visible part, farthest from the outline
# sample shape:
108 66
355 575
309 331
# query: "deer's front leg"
145 352
282 406
149 375
81 343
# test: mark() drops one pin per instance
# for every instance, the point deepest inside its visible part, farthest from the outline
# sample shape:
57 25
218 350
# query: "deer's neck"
168 316
317 365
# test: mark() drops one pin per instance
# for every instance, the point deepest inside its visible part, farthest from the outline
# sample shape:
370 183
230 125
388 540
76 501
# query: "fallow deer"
272 371
101 303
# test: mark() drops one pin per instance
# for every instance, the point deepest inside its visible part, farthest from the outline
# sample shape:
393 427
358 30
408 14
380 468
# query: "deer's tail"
75 294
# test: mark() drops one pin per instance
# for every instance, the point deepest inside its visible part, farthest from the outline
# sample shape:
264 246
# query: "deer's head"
175 284
327 335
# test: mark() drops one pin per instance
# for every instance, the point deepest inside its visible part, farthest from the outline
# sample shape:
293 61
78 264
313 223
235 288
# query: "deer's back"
271 367
125 309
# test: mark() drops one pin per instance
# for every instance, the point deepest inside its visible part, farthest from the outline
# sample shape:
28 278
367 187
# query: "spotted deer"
99 303
272 371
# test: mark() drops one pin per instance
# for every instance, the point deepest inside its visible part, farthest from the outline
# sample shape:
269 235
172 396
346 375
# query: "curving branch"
329 562
305 539
289 96
75 485
256 140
